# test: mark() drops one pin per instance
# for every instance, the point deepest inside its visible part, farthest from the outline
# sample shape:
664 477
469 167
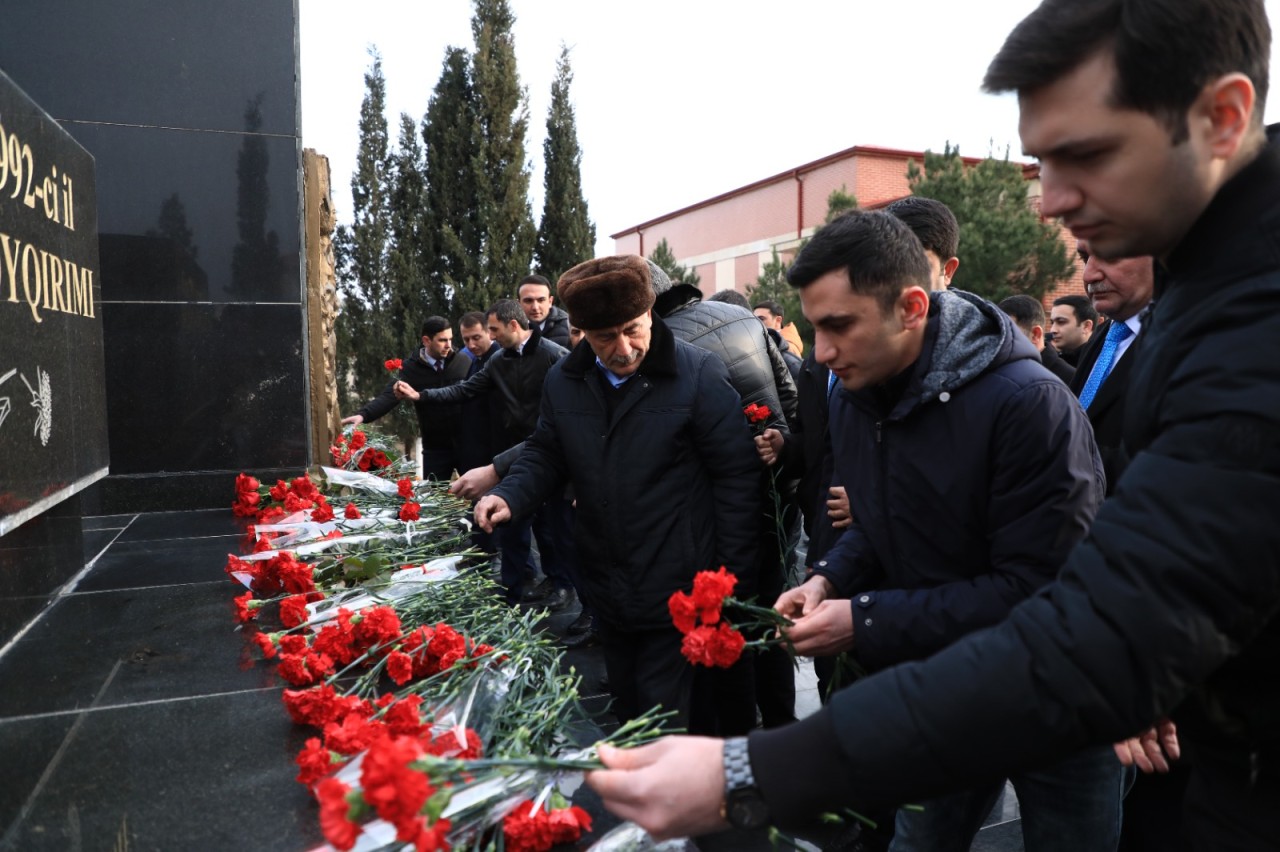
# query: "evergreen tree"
566 236
411 252
666 260
840 201
504 219
1004 246
367 319
449 133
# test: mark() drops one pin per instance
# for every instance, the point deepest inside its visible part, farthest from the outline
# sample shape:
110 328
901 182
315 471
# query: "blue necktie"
1117 333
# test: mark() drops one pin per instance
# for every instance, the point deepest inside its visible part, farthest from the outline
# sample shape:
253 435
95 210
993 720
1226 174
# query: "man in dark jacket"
760 375
653 438
1028 315
535 297
515 378
1119 290
435 365
1147 120
971 473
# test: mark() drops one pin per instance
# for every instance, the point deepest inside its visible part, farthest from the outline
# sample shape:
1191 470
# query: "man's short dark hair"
535 278
1080 306
1165 51
771 306
932 221
507 310
733 297
433 326
473 318
1026 311
878 251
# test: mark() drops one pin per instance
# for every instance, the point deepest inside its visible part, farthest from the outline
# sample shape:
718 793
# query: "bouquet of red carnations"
709 639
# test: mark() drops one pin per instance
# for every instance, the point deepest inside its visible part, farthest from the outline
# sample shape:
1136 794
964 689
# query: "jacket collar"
659 360
1235 236
529 345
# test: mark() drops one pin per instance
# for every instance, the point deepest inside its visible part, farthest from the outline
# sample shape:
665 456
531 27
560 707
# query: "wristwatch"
743 806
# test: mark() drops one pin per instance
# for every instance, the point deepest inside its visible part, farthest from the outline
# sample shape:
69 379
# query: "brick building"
728 239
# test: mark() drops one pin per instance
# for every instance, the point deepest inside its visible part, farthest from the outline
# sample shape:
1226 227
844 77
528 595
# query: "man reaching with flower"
652 436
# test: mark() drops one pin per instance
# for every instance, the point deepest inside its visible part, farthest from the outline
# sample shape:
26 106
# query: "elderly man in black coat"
653 438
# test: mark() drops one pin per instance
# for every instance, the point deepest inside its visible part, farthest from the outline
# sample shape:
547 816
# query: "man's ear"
949 268
1087 325
1225 111
1037 336
913 306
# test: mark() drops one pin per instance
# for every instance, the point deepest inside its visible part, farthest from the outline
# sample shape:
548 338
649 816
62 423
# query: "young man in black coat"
435 365
971 472
1147 120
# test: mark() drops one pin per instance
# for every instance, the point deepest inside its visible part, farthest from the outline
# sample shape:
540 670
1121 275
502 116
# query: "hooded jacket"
1171 603
666 484
556 327
967 491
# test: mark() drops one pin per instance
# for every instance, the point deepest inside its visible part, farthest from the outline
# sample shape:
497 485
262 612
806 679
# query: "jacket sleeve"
1177 576
540 470
382 403
782 379
503 461
480 383
723 441
1046 485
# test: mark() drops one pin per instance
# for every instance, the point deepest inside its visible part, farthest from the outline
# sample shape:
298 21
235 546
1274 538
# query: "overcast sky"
680 100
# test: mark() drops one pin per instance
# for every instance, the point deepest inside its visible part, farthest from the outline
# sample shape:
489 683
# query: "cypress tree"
449 136
665 258
566 235
367 320
504 219
411 253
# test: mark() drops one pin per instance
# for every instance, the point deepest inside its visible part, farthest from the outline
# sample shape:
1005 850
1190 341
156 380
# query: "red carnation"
335 814
353 734
265 645
405 487
293 668
314 762
395 790
393 364
404 718
358 440
323 512
719 646
294 503
270 514
244 483
351 512
377 626
400 667
684 612
279 491
293 643
410 511
757 413
245 612
313 707
293 610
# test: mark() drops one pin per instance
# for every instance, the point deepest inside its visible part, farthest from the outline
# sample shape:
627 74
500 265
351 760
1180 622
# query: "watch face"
746 809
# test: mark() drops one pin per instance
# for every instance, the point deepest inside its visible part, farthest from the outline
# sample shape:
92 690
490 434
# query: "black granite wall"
190 109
